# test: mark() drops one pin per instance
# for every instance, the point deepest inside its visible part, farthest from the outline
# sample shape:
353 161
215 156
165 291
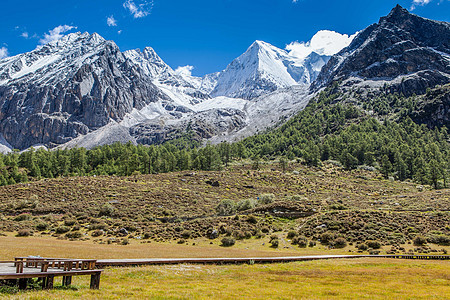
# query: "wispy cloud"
419 3
184 71
138 8
3 52
111 21
24 34
55 34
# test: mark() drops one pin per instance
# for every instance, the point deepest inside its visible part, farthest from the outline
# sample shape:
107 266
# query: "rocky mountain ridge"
408 52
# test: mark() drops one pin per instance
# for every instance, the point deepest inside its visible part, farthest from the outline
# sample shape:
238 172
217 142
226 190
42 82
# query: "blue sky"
206 34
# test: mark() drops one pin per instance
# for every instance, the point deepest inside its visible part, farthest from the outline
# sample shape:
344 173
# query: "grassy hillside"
318 205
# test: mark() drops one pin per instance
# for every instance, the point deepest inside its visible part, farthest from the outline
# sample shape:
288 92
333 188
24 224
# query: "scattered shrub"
228 241
374 244
74 235
24 232
62 229
259 234
419 240
22 217
41 226
274 241
252 219
439 239
292 234
363 247
186 234
245 204
265 199
340 242
301 241
226 207
125 242
326 238
106 210
97 233
69 222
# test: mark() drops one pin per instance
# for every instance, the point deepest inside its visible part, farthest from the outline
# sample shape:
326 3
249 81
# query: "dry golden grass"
49 247
371 278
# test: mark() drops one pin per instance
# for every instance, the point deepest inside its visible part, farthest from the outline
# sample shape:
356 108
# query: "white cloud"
24 34
3 52
119 32
139 8
184 71
419 3
55 34
111 21
324 42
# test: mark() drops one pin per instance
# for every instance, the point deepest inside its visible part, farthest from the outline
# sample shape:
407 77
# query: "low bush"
41 226
69 222
326 238
265 199
274 241
106 210
419 240
292 234
228 241
340 242
374 244
22 217
97 233
245 204
24 232
74 235
439 239
362 247
62 229
226 207
301 241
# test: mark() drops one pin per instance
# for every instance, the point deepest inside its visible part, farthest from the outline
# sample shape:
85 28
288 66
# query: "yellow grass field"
368 278
49 247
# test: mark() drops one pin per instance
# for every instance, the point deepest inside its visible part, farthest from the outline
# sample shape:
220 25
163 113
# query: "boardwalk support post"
95 281
67 280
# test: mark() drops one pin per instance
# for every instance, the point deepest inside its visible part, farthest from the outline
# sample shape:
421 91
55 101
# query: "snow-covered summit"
54 60
264 68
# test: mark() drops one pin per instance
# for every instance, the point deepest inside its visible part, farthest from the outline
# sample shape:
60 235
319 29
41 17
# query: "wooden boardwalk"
19 271
164 261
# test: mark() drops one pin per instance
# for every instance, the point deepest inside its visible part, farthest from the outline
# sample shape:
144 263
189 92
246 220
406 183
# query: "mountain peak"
397 11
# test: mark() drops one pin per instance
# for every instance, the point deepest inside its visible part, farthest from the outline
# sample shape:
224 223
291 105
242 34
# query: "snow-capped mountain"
264 68
183 89
68 88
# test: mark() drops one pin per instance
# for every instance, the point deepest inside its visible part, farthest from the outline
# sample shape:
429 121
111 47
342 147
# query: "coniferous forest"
326 130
